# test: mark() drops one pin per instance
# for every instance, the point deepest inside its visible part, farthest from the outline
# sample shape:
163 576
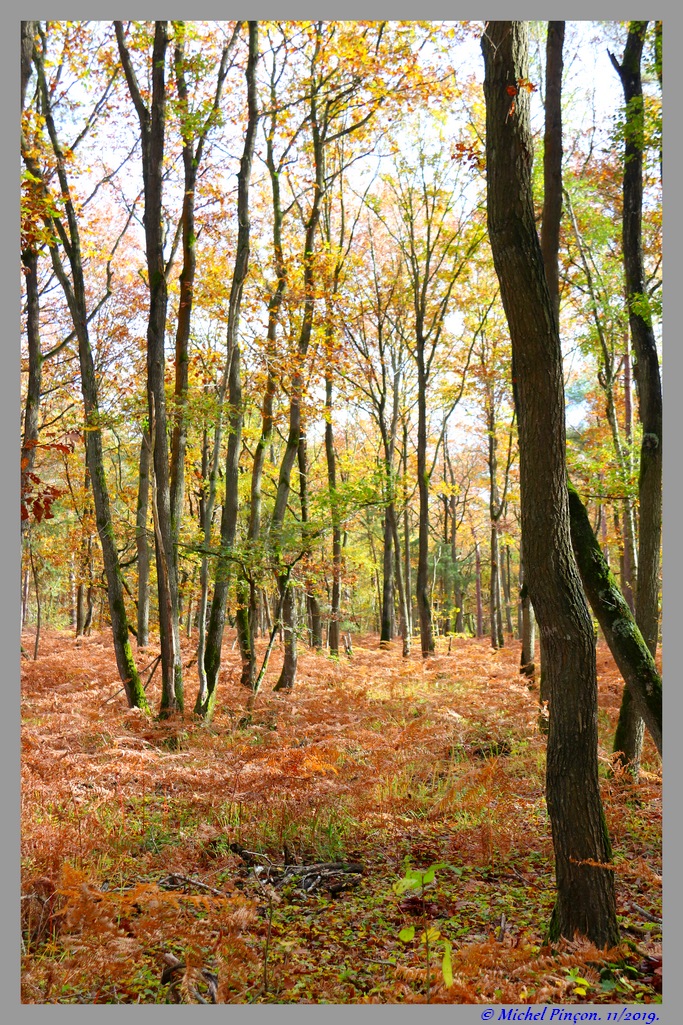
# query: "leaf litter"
175 861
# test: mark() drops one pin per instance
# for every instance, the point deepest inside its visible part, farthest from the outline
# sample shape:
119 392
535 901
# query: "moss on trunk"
625 640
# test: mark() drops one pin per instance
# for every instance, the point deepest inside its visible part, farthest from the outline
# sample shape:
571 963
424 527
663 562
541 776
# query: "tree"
64 238
629 731
214 639
152 120
436 243
585 883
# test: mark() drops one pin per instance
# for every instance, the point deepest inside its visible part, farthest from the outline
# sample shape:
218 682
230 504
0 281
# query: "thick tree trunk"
647 374
585 882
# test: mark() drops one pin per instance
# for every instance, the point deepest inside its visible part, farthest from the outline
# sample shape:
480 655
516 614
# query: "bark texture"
585 881
625 640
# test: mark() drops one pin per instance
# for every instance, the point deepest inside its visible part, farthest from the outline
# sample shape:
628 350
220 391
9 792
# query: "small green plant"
581 985
416 880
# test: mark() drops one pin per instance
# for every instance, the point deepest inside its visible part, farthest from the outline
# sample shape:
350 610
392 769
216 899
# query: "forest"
341 512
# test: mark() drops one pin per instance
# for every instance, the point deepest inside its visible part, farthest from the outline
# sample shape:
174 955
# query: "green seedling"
419 881
581 985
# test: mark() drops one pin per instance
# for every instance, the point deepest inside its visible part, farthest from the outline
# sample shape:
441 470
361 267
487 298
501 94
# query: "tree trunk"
286 680
526 662
214 639
288 603
406 534
552 162
480 606
142 542
312 603
585 882
422 585
496 624
647 371
75 293
636 664
402 602
152 133
333 629
386 631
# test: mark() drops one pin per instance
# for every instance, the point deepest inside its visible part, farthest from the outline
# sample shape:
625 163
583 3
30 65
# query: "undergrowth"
141 838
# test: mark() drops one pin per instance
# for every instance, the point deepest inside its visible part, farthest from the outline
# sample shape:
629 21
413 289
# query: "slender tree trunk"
286 680
585 883
152 132
505 575
386 632
75 294
29 259
552 162
333 629
406 534
36 589
214 638
289 626
142 543
496 624
192 157
628 737
422 586
480 605
312 603
526 662
402 601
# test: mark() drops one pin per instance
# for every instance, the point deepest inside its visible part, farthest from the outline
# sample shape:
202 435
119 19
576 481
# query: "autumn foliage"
141 839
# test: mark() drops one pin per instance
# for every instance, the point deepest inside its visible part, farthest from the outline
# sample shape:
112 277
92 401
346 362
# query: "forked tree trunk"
152 120
585 881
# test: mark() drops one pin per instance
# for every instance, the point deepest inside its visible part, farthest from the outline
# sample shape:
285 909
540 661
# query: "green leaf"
407 934
447 965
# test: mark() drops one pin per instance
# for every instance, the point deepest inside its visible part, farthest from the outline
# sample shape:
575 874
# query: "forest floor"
142 839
